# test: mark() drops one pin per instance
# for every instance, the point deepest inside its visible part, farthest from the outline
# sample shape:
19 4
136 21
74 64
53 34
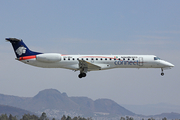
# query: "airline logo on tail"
21 50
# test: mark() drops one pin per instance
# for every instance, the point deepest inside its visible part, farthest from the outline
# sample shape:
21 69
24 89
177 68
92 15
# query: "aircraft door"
140 61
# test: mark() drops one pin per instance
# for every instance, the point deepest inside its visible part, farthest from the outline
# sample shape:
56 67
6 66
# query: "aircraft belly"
36 63
45 65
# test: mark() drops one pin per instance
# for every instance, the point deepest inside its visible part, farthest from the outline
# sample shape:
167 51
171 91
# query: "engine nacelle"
49 57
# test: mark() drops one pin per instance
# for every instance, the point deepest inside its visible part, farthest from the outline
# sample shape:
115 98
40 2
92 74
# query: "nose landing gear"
162 72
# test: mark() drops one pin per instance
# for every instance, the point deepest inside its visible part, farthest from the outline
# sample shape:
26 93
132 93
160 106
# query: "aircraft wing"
88 65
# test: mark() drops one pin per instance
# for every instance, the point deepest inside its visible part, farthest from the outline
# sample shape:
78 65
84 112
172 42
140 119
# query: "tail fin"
20 49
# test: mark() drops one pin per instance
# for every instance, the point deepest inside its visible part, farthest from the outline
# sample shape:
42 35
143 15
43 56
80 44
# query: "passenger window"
128 59
119 59
109 58
92 58
64 58
86 58
96 58
101 59
77 58
82 59
105 58
133 59
123 58
73 58
68 58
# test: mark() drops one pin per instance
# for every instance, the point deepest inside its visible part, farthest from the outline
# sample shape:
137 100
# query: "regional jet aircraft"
85 63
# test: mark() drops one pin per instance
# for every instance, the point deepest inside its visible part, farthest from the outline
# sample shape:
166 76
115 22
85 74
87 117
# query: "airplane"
85 63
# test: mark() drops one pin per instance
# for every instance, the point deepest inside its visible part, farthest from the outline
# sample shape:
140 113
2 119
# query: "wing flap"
88 65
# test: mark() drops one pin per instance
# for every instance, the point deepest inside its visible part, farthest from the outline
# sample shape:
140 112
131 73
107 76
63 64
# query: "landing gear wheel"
162 74
82 75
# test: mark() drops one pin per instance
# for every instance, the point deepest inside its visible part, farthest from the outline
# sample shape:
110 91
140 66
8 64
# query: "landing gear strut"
82 75
162 72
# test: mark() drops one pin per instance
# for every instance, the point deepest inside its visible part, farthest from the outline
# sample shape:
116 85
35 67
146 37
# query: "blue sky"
93 27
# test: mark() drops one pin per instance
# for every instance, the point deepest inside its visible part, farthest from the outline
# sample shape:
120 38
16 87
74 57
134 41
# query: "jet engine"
48 57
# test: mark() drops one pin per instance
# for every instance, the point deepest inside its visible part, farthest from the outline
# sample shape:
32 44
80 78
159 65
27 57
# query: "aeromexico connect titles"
85 63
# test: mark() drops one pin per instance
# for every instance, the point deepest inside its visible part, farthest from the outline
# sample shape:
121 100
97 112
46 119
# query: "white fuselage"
55 60
85 63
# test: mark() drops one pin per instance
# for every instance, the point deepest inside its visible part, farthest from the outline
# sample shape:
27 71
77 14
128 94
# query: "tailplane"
20 49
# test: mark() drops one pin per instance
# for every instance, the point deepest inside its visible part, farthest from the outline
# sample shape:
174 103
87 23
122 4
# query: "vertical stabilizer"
20 49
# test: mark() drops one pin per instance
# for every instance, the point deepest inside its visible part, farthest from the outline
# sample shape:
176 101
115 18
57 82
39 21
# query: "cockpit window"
157 58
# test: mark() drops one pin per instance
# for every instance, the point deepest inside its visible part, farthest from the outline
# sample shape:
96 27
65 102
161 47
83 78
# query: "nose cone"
167 64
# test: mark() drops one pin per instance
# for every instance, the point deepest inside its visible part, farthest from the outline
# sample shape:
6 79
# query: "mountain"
171 115
153 109
15 101
4 109
56 104
85 105
51 99
111 107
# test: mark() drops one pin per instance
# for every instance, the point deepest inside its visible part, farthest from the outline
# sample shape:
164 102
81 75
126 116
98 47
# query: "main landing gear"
82 75
83 71
162 72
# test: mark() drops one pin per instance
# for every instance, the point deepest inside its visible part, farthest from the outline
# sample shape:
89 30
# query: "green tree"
131 118
63 117
68 118
75 118
164 118
89 118
44 116
12 117
127 118
34 117
151 118
25 117
4 117
122 118
29 117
